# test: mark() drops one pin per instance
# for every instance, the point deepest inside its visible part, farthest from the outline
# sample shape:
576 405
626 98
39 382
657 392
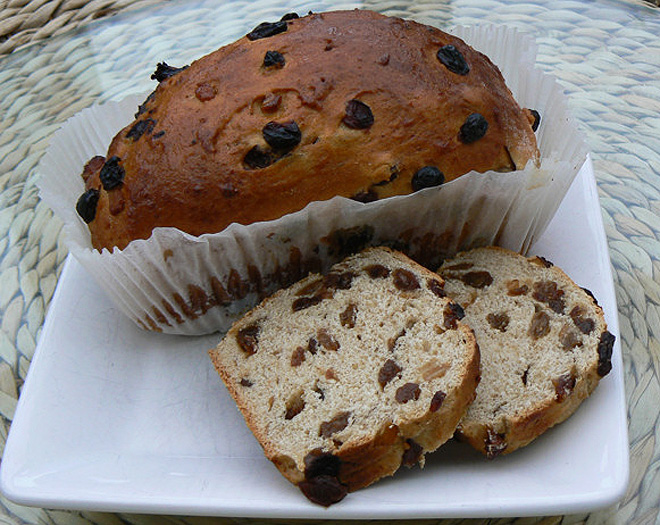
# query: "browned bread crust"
543 340
348 103
347 377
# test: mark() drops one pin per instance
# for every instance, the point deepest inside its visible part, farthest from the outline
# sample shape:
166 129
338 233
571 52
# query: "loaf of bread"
344 377
348 103
543 340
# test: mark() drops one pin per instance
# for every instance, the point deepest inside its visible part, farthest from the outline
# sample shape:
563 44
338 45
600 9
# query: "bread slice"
543 340
343 378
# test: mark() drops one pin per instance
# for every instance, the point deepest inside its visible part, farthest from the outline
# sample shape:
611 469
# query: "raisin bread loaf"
345 377
543 340
348 103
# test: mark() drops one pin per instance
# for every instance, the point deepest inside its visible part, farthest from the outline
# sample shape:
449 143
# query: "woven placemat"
606 53
24 21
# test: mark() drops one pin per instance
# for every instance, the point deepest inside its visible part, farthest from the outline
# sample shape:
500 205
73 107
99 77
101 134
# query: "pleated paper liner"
177 283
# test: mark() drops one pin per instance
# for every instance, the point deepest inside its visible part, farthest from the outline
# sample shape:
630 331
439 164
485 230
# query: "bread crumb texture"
346 376
543 340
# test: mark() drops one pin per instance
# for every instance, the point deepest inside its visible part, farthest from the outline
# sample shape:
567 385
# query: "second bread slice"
543 340
345 377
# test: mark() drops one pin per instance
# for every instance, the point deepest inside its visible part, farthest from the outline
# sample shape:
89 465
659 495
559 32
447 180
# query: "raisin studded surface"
498 321
140 128
86 205
437 400
388 371
494 443
377 271
453 60
112 174
257 158
358 115
312 346
477 279
452 313
311 288
267 29
585 324
165 71
515 288
405 280
427 177
437 288
564 386
407 392
338 423
605 345
323 490
569 337
545 262
319 463
540 325
327 340
298 356
537 119
305 302
548 292
246 383
348 317
289 16
338 281
274 59
294 406
282 136
412 454
474 127
248 338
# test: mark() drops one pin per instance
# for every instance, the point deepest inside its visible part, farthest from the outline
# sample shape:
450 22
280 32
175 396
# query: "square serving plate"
113 418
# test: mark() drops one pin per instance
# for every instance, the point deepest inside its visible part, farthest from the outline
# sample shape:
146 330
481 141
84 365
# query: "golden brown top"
348 103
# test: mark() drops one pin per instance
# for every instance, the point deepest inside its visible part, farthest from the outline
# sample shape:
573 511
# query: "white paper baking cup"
177 283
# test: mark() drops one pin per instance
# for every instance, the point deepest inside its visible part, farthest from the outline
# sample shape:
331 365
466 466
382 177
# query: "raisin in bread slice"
344 377
543 340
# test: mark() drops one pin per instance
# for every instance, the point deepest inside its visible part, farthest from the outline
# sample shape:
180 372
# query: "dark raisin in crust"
358 115
165 71
537 119
274 59
474 128
140 128
112 174
282 135
412 454
427 177
453 60
267 29
323 490
86 205
257 158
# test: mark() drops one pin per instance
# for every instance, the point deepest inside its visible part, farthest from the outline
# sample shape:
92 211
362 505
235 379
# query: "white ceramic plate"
113 418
